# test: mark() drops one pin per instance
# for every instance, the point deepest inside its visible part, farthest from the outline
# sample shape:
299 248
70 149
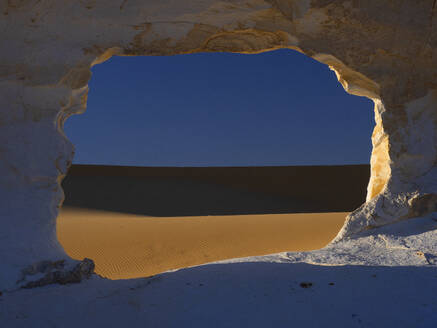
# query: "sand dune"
129 246
139 221
199 191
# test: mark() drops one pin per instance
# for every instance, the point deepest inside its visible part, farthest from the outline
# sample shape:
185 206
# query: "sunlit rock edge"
49 48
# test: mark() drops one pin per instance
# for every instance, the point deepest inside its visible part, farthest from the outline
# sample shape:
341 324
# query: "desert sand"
377 279
140 221
130 246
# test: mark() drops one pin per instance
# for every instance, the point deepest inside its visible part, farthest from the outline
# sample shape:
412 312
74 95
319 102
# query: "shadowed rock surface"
57 273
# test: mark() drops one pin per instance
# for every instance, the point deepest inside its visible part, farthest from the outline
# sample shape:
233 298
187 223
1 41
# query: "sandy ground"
376 279
130 246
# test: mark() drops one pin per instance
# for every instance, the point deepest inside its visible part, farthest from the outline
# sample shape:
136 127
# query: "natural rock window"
378 49
251 112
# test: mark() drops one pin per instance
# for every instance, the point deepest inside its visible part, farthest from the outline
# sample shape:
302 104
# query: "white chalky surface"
386 279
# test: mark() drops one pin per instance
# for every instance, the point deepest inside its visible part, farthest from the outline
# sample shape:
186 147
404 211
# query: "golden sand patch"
131 246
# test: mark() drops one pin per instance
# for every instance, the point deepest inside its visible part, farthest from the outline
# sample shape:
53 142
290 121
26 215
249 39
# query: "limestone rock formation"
56 273
384 50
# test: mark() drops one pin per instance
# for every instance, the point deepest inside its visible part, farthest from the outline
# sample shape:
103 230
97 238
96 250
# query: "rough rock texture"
381 49
56 273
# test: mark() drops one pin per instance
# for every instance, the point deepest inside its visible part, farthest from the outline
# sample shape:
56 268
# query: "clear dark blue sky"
275 108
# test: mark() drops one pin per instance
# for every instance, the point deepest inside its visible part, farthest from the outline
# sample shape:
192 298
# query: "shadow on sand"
154 191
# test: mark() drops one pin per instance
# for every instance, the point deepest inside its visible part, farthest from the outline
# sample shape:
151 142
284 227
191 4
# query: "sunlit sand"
130 246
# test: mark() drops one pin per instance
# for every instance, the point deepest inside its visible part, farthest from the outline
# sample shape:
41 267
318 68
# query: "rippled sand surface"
130 246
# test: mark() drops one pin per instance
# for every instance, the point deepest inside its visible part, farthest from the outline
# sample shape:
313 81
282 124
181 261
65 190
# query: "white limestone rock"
380 49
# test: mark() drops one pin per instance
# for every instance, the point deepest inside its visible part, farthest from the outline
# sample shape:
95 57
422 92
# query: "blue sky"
220 109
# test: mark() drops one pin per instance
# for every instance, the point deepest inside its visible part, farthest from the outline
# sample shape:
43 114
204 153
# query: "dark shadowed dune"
200 191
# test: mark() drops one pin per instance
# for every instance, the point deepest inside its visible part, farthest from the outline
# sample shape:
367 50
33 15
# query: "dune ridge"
197 191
